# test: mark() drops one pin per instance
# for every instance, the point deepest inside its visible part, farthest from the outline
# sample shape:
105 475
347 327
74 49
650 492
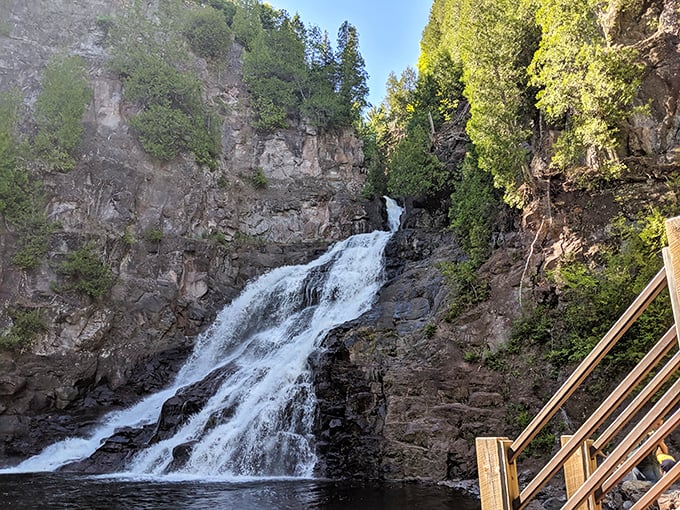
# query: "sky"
389 31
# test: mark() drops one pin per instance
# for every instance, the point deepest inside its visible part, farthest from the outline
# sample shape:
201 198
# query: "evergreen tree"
352 74
276 72
586 84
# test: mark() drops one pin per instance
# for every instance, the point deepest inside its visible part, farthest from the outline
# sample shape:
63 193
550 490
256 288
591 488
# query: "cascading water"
258 422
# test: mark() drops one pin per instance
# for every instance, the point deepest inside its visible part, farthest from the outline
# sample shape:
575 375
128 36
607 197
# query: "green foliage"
105 22
21 197
474 205
5 28
515 57
429 330
246 23
208 33
26 326
259 179
150 57
34 233
292 71
534 328
129 235
59 111
586 84
86 273
594 294
274 70
543 443
495 40
466 286
155 235
352 76
164 132
414 169
376 182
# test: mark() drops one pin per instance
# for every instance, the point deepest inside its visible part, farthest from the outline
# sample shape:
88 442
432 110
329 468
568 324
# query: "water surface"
48 491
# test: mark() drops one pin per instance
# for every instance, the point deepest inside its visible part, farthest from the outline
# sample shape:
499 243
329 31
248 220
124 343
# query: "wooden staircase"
587 481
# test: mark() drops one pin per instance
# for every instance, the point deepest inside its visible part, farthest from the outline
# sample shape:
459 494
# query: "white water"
259 421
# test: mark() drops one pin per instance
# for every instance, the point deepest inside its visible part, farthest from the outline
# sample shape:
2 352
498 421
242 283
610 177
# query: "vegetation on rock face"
65 92
526 68
208 33
585 84
475 204
21 196
85 272
151 59
596 295
26 326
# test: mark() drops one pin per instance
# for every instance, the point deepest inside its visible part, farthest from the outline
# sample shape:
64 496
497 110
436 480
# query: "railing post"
498 482
671 259
577 469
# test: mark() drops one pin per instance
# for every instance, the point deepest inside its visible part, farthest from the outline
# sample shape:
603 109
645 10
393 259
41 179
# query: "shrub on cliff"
21 196
65 92
208 33
26 326
151 59
85 272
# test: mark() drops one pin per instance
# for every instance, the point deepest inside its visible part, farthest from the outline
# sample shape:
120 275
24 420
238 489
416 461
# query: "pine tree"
352 73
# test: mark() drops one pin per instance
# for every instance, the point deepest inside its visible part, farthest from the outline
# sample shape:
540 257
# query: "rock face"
397 399
182 240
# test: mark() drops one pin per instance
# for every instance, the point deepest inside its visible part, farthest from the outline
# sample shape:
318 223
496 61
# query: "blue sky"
389 31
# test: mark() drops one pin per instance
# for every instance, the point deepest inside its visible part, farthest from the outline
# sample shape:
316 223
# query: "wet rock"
181 454
112 455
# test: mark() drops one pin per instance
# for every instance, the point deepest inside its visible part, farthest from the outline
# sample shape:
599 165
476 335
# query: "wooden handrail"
644 367
588 364
658 488
654 439
661 408
637 403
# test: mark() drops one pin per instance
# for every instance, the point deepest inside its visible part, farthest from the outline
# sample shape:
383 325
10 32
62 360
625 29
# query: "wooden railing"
586 481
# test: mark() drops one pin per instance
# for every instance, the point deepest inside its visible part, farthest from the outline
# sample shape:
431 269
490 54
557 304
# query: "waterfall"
258 420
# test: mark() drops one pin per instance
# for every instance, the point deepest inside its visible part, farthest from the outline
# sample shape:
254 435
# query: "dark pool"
51 491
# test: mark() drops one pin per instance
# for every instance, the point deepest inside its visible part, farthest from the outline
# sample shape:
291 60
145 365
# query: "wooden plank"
651 359
638 402
629 443
658 488
577 469
498 482
589 363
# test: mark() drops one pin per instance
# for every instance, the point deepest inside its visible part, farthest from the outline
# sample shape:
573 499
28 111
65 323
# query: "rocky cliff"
212 230
404 392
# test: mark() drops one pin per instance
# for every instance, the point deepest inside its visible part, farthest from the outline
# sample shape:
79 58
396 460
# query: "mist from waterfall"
258 421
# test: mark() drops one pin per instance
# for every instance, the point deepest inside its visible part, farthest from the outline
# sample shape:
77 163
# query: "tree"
352 74
208 33
414 169
322 105
495 39
276 72
151 60
246 23
586 85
